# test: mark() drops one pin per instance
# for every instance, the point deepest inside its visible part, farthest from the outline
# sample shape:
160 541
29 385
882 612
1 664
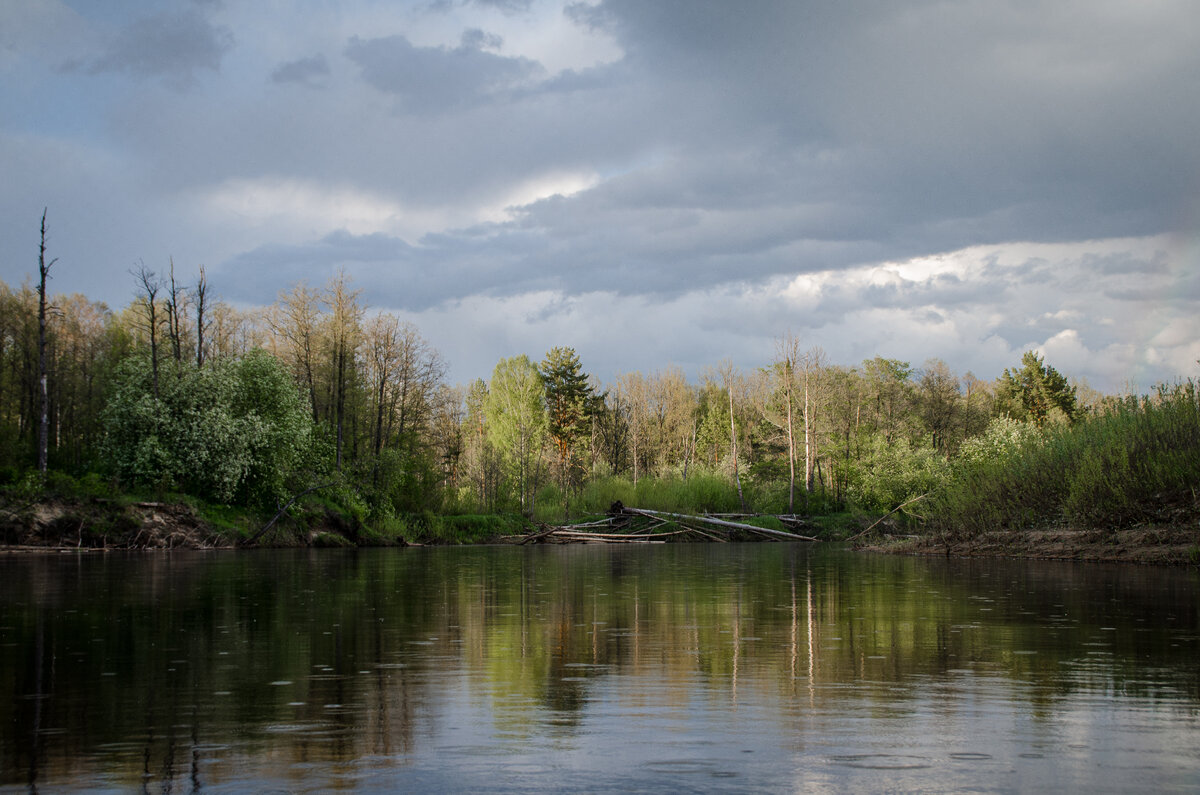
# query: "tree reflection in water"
776 664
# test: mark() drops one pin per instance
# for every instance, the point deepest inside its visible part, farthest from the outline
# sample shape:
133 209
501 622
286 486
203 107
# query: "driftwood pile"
639 526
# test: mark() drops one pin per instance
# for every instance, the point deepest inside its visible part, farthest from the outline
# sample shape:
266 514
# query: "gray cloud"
173 46
729 148
306 71
438 78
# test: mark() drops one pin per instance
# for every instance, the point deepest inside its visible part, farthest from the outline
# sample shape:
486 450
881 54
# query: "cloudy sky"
652 182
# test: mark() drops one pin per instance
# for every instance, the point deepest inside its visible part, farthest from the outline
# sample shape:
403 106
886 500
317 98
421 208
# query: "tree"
631 401
294 323
150 286
446 430
235 431
939 405
570 404
812 363
344 336
202 321
43 389
889 395
732 381
1036 392
671 419
612 428
176 309
402 374
516 419
481 461
776 401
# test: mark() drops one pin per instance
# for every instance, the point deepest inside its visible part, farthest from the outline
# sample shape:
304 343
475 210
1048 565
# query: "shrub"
235 430
1108 470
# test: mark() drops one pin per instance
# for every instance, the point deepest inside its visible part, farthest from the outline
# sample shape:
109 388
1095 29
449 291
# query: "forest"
180 393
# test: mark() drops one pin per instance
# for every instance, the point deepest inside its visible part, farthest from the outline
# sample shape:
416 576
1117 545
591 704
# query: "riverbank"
125 523
111 524
1156 544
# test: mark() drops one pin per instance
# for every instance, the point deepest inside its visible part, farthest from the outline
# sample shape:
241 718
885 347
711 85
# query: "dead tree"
43 386
175 317
202 325
150 285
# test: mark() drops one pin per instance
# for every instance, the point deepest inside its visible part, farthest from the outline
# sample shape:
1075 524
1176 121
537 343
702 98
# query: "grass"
1137 462
702 492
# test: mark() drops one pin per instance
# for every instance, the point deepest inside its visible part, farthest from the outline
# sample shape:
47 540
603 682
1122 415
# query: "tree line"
180 390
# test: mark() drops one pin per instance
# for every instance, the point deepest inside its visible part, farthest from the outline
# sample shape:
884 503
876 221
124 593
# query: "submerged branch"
263 530
886 515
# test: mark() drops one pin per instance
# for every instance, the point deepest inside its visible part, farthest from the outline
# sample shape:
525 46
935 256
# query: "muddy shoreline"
1152 544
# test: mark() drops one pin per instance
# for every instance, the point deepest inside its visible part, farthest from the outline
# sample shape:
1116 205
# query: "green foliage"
236 430
891 474
1111 470
569 398
400 481
516 421
1003 439
1036 392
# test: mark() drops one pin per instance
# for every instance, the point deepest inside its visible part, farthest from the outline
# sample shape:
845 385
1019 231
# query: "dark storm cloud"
680 159
306 71
438 78
742 143
922 128
171 46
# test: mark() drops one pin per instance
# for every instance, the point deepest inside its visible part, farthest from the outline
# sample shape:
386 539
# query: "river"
679 667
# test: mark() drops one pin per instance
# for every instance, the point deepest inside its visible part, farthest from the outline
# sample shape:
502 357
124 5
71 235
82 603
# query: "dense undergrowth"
1137 462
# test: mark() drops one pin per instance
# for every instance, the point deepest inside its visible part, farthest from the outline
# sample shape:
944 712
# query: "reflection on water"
675 667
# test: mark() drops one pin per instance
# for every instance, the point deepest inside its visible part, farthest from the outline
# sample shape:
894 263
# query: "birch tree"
517 425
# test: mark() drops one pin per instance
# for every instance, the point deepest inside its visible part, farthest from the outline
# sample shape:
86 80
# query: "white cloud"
297 207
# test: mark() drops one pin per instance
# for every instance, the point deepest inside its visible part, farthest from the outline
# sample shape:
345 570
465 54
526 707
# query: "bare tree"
811 364
43 383
345 333
202 324
787 358
150 287
296 320
730 379
175 312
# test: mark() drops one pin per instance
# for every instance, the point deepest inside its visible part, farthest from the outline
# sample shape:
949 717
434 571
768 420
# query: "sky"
655 183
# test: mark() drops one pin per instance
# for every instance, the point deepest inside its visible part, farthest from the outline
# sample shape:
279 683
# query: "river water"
680 667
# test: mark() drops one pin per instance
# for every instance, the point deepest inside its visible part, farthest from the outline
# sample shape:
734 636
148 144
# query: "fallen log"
538 535
749 528
619 537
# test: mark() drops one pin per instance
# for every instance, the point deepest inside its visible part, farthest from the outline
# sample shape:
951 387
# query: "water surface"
594 668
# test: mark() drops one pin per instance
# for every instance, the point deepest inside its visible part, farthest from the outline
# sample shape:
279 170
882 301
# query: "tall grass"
1104 472
701 492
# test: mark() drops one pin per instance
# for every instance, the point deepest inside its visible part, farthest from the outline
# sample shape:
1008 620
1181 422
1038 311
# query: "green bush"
891 474
236 430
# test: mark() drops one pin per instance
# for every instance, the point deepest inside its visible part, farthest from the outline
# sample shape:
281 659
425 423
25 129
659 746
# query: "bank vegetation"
318 420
